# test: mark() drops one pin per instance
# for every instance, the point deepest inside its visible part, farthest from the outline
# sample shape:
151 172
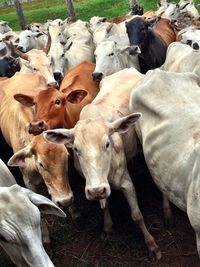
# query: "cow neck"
67 123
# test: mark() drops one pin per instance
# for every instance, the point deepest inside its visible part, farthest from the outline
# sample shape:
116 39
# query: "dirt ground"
79 244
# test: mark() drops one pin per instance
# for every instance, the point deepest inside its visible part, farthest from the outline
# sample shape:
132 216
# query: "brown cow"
165 30
55 108
35 156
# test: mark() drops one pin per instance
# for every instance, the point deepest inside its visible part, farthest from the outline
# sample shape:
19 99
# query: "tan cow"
102 142
57 108
169 133
36 157
37 61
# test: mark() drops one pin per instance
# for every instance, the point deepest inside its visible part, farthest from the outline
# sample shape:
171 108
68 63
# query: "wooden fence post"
20 14
71 10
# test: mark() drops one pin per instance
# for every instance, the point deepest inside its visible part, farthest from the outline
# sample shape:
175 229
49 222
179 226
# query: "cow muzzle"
64 201
97 193
97 76
58 76
37 127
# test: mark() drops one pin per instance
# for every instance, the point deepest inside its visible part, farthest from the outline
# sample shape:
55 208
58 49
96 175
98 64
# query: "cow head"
28 40
20 233
37 61
4 27
50 108
137 30
57 57
110 58
51 162
96 143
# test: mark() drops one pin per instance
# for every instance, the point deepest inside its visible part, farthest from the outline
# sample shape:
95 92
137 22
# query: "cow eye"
41 165
62 55
107 145
77 150
111 54
34 69
57 102
28 36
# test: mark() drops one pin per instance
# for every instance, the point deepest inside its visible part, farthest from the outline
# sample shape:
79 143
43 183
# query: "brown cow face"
51 162
50 108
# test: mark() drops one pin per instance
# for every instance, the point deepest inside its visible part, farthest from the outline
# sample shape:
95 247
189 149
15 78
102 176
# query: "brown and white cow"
36 158
103 141
61 108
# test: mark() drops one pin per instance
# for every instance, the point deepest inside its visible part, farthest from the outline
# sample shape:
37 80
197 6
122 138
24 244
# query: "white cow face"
111 58
95 143
4 27
191 38
20 233
57 57
27 40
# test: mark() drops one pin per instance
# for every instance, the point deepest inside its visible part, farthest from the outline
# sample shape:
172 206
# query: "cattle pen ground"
80 244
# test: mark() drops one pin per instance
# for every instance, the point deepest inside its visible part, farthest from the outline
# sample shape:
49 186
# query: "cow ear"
69 83
133 50
76 96
44 204
60 136
123 124
25 100
18 159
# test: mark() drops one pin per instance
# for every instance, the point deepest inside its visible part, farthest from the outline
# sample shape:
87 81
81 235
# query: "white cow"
110 58
107 29
95 21
20 233
181 58
190 36
79 48
169 134
31 40
59 62
101 142
4 27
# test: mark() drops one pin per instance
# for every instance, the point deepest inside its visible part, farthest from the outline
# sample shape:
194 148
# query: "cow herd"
102 90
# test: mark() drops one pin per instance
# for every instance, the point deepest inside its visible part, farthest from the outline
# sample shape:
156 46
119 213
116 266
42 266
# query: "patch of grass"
42 10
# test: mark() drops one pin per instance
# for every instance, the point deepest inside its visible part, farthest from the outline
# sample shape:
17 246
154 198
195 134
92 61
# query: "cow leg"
107 225
45 232
198 243
74 212
168 216
128 190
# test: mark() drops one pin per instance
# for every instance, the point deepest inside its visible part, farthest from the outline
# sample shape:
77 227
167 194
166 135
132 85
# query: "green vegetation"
41 10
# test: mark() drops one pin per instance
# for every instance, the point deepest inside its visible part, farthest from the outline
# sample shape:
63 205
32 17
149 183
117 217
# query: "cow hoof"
105 235
155 255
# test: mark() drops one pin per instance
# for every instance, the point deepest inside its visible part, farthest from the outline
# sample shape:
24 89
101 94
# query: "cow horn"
109 27
48 46
179 8
19 53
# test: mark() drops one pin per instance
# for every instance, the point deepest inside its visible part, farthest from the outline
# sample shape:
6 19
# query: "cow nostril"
97 75
20 48
195 46
104 190
40 124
